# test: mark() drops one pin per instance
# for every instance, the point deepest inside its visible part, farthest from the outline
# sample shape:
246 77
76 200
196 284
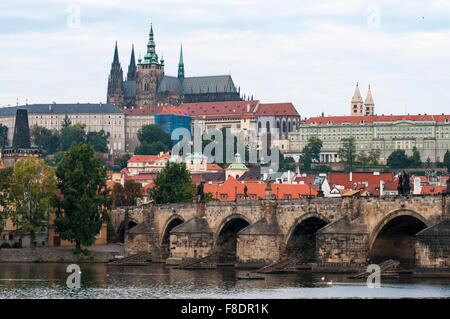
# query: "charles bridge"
332 234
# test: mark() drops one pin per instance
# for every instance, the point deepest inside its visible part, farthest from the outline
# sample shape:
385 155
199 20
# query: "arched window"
278 124
284 127
289 127
268 127
259 125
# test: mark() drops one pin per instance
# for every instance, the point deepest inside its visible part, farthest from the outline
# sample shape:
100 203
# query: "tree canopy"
83 205
398 159
347 152
446 161
31 191
173 185
53 141
153 140
311 152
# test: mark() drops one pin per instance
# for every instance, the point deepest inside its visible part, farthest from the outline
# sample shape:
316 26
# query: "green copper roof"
181 56
150 57
181 65
237 166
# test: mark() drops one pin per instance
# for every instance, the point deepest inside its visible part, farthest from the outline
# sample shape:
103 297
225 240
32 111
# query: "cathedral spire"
181 65
116 56
131 76
151 57
115 82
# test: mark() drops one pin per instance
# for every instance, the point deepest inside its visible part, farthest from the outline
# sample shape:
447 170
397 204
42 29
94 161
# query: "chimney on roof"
50 107
248 108
350 177
100 104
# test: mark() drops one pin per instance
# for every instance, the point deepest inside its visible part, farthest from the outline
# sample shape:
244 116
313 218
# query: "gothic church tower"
149 74
115 82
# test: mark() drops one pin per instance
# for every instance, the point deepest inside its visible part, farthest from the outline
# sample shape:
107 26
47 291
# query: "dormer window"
330 122
362 122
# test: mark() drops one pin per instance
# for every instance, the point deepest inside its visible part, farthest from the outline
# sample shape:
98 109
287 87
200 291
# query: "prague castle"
146 85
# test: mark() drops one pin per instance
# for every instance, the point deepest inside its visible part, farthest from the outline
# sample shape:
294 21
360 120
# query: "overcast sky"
310 53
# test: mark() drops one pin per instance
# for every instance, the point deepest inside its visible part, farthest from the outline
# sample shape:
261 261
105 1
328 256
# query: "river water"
41 280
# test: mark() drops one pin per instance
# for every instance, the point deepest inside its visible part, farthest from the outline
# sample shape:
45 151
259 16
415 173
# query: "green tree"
3 135
363 158
122 161
5 184
67 122
374 156
153 140
118 195
446 161
398 159
151 148
32 189
45 138
131 192
311 152
286 163
173 185
72 134
428 163
414 160
83 205
98 140
347 152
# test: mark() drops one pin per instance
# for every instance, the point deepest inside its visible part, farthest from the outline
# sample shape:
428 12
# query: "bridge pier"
432 251
259 244
342 246
190 240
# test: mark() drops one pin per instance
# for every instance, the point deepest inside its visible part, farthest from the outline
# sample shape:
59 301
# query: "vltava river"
34 280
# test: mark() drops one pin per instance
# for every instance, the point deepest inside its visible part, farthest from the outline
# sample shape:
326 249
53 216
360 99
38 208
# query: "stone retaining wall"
51 254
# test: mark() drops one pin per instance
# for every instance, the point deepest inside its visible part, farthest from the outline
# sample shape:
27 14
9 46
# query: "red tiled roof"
375 118
391 186
358 178
172 110
269 109
215 167
140 177
429 190
147 158
220 108
231 186
141 111
305 179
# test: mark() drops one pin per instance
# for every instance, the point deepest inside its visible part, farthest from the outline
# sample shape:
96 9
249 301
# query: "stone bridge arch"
121 230
225 236
394 237
300 239
164 242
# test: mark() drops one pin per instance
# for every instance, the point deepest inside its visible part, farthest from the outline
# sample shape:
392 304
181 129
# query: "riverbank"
98 254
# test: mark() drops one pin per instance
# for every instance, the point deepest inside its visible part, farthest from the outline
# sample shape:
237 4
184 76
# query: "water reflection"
34 280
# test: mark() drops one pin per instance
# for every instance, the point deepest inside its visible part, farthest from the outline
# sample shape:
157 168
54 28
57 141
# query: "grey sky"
308 52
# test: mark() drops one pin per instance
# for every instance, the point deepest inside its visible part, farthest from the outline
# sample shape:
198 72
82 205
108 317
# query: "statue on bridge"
245 192
404 186
200 192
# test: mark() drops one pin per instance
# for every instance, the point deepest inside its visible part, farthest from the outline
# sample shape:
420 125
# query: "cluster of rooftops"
228 109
